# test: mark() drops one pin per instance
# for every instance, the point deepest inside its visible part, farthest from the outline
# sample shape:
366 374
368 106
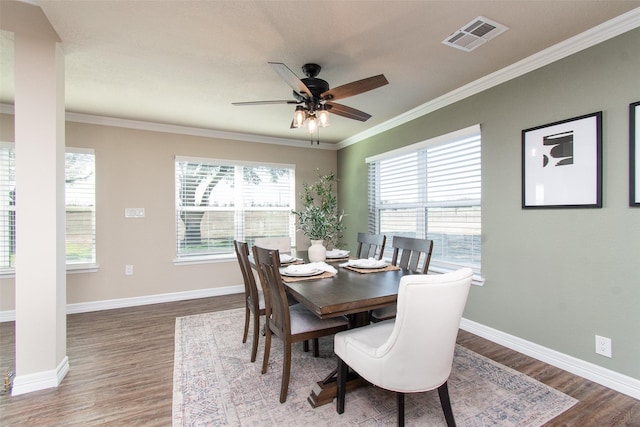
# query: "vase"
317 251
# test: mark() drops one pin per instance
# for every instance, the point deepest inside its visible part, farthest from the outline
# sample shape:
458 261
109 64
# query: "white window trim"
459 134
222 258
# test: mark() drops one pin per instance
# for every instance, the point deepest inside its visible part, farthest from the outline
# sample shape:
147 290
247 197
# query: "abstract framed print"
562 164
634 154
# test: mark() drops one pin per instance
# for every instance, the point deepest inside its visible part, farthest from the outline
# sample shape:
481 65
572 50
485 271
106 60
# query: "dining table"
352 292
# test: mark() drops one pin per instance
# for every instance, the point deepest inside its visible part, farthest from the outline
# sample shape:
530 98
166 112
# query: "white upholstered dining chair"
414 352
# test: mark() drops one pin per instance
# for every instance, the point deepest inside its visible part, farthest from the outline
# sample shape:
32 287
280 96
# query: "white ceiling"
184 62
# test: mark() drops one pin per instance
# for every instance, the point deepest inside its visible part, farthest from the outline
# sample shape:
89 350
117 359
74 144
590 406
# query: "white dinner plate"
286 259
368 265
336 255
308 273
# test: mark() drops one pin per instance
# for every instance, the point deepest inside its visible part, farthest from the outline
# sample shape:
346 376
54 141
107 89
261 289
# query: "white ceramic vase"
317 251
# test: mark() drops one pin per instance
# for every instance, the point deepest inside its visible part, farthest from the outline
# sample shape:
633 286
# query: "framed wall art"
562 164
634 154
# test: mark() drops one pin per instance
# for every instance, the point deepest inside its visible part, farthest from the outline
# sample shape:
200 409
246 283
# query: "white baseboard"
84 307
152 299
606 377
40 380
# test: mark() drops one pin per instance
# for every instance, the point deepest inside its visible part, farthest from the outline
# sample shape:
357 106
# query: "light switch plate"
134 212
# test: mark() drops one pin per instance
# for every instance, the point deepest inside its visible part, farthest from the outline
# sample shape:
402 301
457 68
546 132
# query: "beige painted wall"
134 168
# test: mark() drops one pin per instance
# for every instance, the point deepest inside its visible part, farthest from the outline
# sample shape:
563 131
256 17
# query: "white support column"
41 340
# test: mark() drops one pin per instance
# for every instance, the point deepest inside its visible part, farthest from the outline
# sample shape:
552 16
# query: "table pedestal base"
323 392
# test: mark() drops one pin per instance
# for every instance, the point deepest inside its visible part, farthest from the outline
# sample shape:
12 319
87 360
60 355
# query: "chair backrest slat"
407 253
370 245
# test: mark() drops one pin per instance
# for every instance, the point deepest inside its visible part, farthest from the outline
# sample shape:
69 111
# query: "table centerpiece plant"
320 220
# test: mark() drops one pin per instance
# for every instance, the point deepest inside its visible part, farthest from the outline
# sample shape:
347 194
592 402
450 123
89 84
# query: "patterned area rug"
215 384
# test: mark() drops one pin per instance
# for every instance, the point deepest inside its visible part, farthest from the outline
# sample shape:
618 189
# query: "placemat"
373 270
325 275
344 258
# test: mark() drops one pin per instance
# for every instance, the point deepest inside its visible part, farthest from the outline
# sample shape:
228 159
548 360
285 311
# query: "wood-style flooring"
122 373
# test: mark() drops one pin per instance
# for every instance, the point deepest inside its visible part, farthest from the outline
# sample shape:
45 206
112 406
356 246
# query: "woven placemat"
325 275
373 270
345 258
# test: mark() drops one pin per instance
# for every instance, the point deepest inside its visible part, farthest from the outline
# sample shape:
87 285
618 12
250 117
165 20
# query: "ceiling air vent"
474 34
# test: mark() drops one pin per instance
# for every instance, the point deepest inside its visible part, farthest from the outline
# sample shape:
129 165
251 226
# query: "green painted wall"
555 277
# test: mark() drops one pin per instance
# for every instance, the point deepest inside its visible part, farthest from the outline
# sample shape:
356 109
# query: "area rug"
215 384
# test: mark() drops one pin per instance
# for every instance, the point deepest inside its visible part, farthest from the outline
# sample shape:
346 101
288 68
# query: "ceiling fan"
314 98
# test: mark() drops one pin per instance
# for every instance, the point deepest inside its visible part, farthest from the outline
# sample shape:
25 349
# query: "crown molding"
187 130
598 34
180 130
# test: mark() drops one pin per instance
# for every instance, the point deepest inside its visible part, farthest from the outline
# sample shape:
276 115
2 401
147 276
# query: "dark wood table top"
348 292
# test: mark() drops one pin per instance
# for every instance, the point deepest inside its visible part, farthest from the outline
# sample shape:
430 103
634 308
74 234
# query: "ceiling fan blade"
266 102
348 112
290 78
355 88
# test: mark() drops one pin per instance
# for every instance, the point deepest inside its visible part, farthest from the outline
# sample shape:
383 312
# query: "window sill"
71 269
477 279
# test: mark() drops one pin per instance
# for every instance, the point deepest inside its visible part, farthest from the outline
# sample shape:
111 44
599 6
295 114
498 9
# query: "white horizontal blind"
217 202
431 192
79 201
7 207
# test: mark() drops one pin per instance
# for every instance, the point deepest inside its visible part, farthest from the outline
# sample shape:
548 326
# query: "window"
431 190
79 201
219 201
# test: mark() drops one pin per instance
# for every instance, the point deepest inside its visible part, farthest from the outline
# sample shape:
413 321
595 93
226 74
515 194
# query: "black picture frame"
562 164
634 154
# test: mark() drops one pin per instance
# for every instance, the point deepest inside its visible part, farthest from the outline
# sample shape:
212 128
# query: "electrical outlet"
603 346
128 270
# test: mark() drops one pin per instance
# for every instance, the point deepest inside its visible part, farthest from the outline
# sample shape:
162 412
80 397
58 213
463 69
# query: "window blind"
434 192
80 242
80 202
219 201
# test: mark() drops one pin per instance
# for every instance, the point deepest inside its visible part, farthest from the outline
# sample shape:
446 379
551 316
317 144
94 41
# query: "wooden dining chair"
289 323
414 352
371 245
253 297
409 254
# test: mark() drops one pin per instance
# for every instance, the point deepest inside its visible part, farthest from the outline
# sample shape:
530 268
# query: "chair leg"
286 372
400 400
316 347
305 346
256 331
246 324
267 348
443 392
341 384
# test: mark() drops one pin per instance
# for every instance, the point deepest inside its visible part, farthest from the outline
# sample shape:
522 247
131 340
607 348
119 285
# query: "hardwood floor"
122 369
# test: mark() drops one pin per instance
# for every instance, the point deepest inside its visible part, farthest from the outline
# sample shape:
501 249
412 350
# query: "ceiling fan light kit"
315 99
